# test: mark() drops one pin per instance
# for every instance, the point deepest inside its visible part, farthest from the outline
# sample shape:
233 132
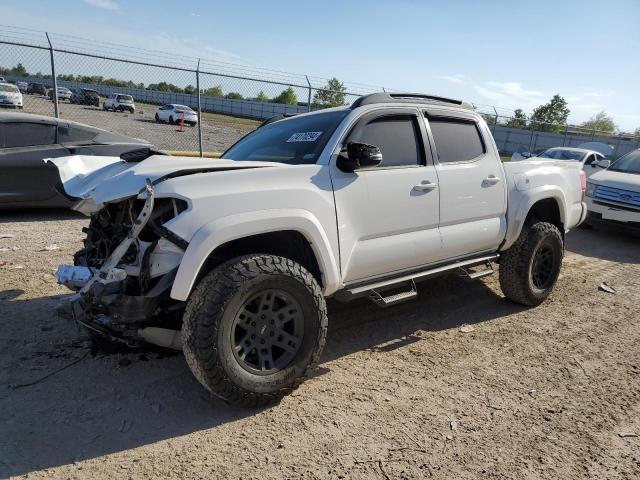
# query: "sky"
512 54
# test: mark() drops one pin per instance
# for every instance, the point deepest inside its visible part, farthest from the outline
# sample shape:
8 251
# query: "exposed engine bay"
136 260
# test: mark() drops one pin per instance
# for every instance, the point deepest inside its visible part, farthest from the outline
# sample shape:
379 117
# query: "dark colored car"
37 89
26 140
85 96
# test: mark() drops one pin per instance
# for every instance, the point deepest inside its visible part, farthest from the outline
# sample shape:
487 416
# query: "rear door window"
456 140
22 134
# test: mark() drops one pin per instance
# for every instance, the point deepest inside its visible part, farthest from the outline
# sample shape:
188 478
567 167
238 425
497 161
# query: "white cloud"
105 4
195 15
509 94
457 78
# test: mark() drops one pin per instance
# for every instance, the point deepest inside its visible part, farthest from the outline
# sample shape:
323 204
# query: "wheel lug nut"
253 324
253 337
263 316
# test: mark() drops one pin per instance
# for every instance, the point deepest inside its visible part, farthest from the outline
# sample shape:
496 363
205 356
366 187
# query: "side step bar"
375 290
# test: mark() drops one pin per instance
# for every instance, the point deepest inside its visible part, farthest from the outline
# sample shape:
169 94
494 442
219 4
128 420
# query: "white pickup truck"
232 259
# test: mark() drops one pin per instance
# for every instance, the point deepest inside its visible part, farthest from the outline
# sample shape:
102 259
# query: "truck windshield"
629 163
296 140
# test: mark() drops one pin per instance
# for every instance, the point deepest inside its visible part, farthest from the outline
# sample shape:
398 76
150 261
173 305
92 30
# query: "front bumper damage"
104 304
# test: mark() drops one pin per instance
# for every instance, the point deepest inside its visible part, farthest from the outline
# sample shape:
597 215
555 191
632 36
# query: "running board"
374 289
386 301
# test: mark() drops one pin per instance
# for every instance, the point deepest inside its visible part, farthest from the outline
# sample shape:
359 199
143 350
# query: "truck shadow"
39 215
604 244
109 403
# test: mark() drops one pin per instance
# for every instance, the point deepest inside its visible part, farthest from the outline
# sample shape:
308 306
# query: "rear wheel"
254 328
171 121
157 118
530 268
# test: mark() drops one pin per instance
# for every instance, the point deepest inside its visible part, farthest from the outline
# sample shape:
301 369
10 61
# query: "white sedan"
173 113
10 96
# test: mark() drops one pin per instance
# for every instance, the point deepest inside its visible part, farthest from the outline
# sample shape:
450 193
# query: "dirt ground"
551 392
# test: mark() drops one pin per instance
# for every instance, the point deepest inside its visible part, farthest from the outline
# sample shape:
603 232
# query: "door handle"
425 185
491 180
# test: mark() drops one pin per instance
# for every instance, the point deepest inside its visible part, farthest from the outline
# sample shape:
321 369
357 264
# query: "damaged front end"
124 273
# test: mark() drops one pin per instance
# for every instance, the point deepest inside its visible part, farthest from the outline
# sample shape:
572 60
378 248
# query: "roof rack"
275 118
384 97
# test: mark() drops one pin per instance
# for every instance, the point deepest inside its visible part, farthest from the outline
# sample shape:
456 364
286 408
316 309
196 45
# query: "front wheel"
531 266
254 328
171 121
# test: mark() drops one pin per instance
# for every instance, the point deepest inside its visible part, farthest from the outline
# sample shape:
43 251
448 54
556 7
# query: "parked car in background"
37 89
173 113
22 86
85 96
119 102
588 158
10 96
613 194
26 140
63 94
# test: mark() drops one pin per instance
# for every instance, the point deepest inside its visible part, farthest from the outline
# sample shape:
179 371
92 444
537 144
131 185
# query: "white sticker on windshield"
304 137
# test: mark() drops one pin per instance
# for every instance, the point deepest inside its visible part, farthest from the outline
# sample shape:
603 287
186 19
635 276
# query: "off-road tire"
209 316
516 278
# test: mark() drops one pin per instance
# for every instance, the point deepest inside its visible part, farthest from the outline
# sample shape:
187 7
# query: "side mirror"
603 163
358 155
526 154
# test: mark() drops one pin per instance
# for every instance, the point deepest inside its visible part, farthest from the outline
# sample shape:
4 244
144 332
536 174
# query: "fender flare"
515 221
232 227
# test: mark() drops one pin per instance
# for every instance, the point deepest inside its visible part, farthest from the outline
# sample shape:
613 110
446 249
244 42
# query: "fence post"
564 139
495 122
55 81
308 96
199 108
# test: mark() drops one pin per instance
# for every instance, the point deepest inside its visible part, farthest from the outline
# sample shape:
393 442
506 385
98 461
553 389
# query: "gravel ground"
547 393
218 133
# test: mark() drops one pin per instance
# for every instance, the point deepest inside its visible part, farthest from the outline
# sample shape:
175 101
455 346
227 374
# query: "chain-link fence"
82 80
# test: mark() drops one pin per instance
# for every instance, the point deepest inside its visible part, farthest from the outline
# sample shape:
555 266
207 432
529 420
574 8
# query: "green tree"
600 122
490 119
165 87
287 97
262 97
552 116
19 71
332 95
234 96
519 119
213 91
190 90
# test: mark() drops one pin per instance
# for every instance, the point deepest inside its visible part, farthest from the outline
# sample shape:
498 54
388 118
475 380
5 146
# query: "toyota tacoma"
231 260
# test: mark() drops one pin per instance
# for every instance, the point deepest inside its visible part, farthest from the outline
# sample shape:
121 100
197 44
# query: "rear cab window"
456 139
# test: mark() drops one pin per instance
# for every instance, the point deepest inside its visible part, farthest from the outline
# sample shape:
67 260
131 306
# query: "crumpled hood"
99 180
